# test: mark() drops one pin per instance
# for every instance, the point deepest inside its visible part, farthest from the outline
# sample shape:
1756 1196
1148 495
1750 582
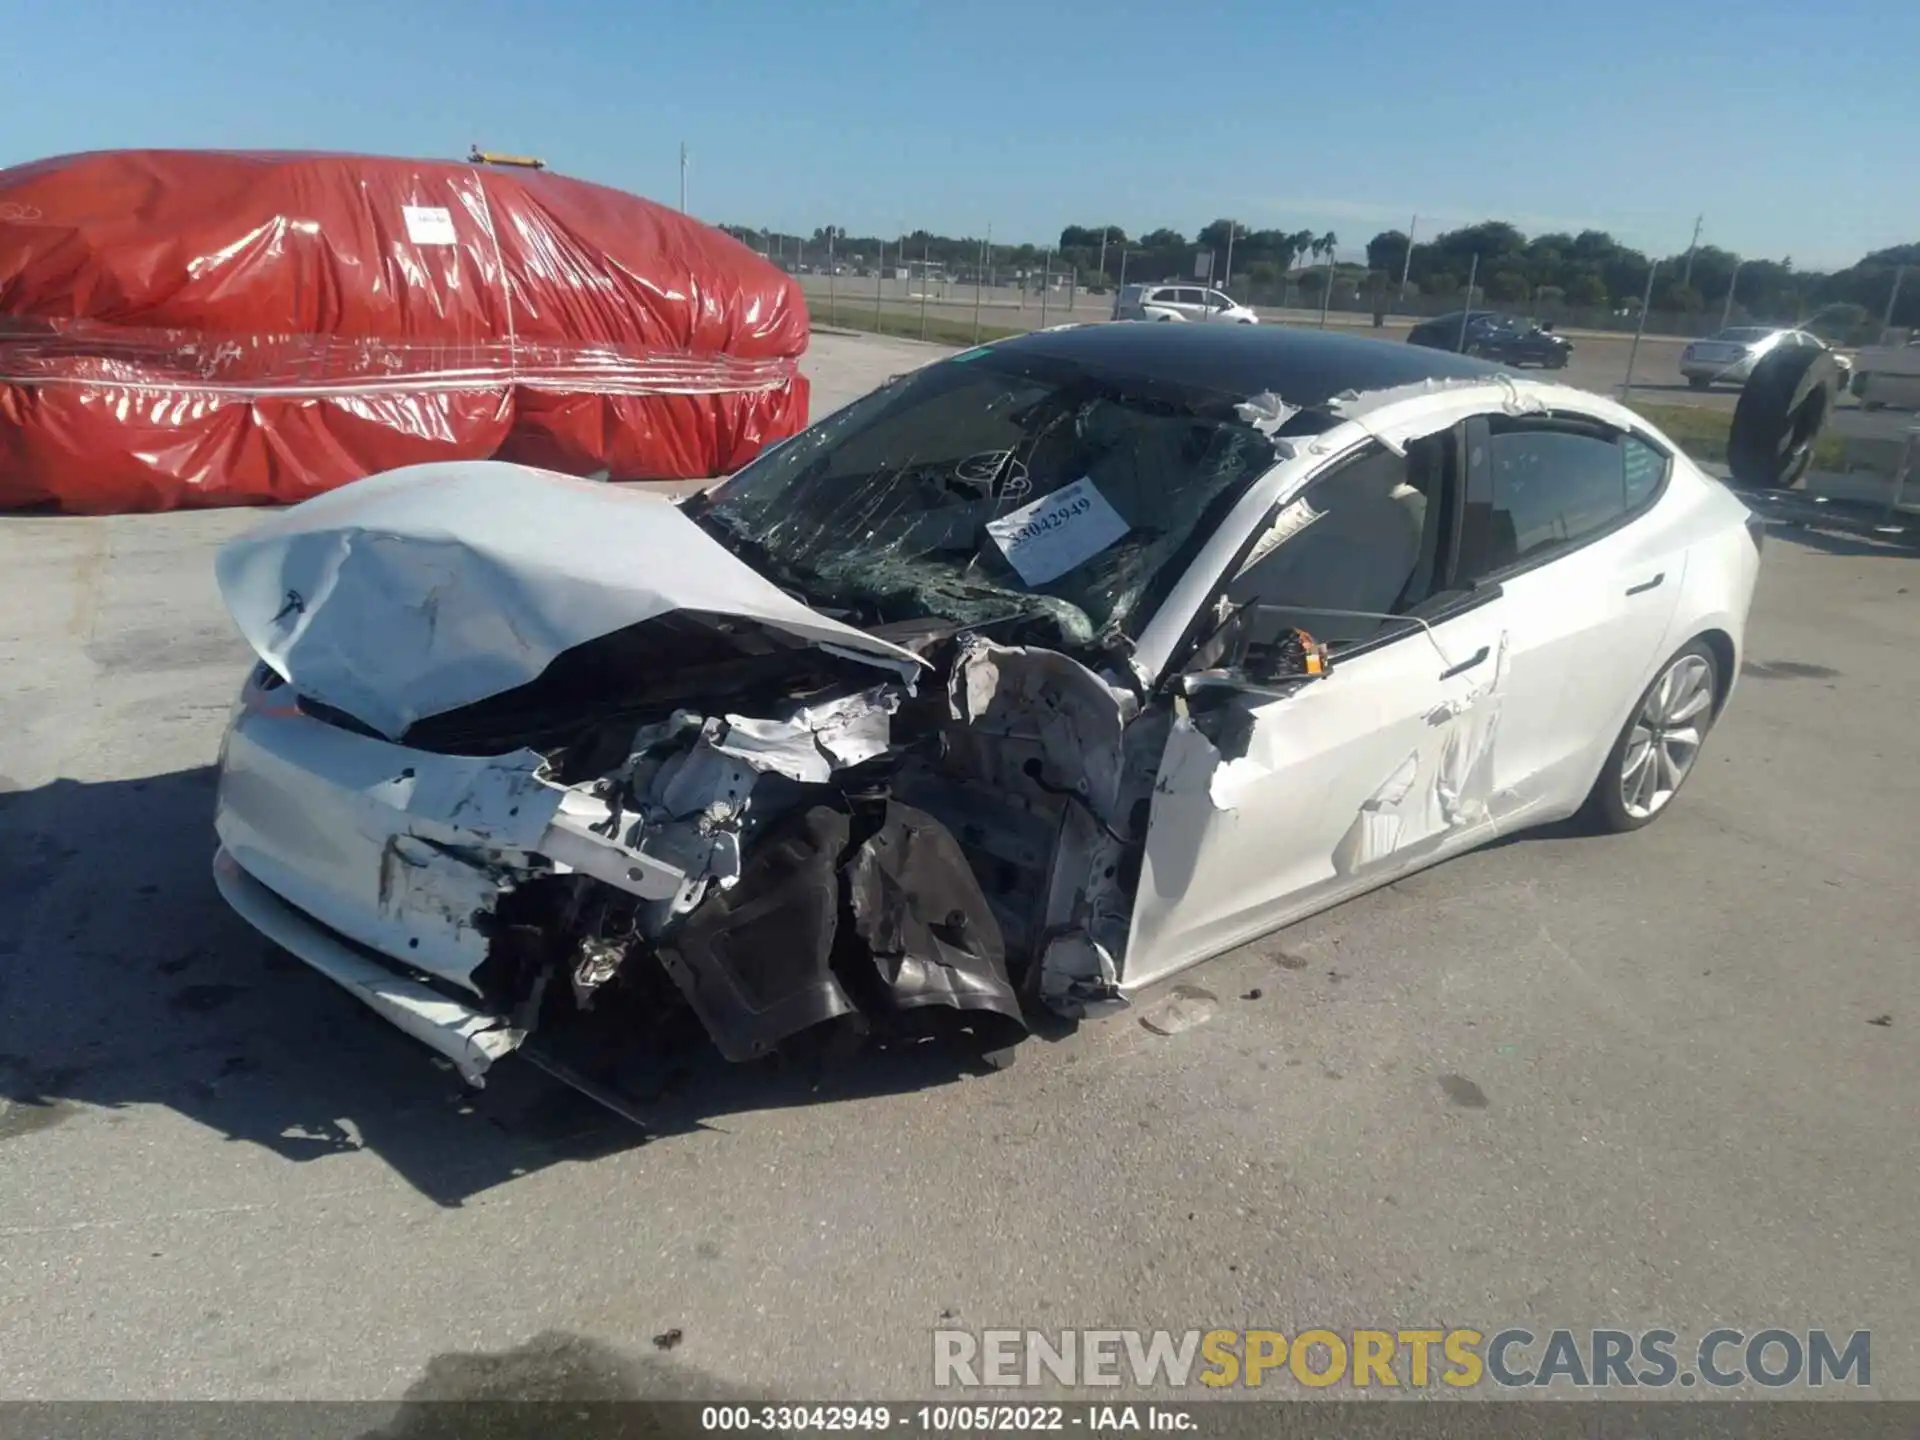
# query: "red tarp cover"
183 328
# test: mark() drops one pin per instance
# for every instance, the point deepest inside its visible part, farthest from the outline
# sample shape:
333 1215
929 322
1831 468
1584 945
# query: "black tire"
1783 407
1699 382
1606 809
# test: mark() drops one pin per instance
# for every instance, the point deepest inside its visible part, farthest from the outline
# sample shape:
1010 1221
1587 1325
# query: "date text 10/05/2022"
978 1419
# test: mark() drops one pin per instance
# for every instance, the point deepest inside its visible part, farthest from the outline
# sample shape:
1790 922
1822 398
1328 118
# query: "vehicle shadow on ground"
125 981
1838 527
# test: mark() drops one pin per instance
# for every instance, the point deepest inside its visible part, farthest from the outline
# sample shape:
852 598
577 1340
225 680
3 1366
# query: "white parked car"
1728 356
1886 375
1174 301
1033 678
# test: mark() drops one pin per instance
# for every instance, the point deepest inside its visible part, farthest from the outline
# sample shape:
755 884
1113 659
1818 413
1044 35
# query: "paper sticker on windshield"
1046 539
429 225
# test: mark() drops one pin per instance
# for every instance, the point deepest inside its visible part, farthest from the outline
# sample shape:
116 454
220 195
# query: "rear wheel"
1698 382
1657 749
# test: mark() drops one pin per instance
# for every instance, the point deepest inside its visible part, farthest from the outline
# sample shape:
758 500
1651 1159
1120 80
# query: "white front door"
1267 810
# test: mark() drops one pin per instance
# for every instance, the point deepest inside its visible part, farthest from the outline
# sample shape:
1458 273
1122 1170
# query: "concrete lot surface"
1660 1079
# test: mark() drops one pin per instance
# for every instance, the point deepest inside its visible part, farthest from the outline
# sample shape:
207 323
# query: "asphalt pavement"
1660 1079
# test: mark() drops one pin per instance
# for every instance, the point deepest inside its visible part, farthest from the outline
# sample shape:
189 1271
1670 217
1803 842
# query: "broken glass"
883 511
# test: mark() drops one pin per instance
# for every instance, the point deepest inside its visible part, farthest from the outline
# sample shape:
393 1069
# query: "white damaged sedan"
1034 677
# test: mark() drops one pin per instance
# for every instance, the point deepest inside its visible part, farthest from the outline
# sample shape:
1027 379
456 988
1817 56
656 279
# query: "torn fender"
428 588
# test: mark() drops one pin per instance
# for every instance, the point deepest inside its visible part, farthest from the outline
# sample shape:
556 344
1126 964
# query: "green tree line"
1589 270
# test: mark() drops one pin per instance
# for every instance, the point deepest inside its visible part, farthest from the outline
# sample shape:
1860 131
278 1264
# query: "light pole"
1226 278
683 177
1639 329
979 280
1726 311
1686 277
1406 263
1473 273
1102 267
926 280
1893 297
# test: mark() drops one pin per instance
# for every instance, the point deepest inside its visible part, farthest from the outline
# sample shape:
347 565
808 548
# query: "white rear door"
1563 516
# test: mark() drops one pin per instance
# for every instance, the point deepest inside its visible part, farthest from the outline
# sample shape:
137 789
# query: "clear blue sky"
1792 127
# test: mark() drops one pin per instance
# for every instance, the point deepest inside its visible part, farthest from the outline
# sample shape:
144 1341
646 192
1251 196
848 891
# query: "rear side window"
1645 469
1533 490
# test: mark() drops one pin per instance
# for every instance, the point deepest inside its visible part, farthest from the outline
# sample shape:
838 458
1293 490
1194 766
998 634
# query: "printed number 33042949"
1051 520
1044 540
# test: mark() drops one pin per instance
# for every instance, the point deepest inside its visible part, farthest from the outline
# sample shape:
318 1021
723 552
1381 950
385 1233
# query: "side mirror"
1205 686
1273 670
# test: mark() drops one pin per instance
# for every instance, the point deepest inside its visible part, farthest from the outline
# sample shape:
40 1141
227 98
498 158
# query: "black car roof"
1305 368
1454 316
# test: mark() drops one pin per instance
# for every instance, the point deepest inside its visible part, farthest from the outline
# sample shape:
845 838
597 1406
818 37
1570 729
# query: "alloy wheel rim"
1666 735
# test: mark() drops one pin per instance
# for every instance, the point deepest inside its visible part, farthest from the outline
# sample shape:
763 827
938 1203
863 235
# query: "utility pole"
1226 278
1686 277
1406 263
1639 329
683 177
1726 311
1886 321
979 280
1102 267
1473 274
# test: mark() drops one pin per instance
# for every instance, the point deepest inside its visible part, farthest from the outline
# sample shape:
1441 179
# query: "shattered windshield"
990 486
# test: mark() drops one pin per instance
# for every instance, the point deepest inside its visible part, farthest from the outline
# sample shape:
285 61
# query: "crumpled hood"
419 591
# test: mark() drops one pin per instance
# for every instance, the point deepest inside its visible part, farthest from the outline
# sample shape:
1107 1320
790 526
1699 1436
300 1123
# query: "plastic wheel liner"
190 329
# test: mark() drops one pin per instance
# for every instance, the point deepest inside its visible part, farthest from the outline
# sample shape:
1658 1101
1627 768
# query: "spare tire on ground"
1783 407
188 328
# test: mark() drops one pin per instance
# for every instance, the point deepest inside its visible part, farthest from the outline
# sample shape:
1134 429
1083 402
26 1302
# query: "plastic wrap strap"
500 264
178 361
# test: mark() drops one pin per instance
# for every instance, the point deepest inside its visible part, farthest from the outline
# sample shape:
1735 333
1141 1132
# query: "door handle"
1646 585
1467 664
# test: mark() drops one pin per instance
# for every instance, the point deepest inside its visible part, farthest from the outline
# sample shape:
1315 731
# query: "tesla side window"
1364 539
1533 489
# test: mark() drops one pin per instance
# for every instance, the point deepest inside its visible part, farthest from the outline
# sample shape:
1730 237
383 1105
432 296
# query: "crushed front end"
783 841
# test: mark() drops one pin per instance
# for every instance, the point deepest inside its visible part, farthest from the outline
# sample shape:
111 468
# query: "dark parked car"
1494 336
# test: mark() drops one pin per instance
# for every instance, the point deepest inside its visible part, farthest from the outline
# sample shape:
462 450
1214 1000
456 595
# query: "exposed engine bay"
822 845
